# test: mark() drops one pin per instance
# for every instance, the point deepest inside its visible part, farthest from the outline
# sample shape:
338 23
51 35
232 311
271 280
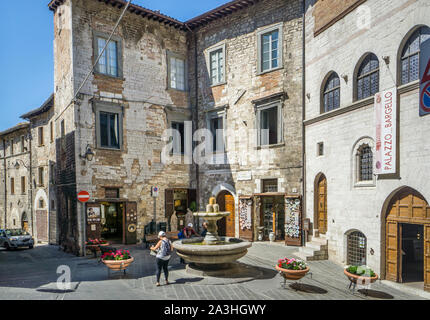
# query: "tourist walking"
164 251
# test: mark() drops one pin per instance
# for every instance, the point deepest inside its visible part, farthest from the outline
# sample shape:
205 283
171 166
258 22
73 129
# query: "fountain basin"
218 255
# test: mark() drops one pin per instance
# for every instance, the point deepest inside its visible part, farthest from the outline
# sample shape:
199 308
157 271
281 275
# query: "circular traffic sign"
83 196
425 98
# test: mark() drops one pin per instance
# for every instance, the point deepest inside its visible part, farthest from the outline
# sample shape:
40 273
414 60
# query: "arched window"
410 58
331 94
368 77
356 249
365 163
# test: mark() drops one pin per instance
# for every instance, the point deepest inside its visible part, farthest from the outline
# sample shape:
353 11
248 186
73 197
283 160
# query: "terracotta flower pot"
293 274
360 279
118 265
96 246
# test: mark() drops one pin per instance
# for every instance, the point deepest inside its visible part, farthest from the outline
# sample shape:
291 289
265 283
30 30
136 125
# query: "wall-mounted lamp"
245 123
345 77
308 95
386 59
89 154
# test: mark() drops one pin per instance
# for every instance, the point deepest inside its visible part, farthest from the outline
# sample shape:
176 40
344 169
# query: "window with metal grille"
365 156
368 77
410 59
270 185
356 249
331 97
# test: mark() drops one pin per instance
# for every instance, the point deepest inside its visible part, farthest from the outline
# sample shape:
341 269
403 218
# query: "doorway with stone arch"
226 226
320 204
406 229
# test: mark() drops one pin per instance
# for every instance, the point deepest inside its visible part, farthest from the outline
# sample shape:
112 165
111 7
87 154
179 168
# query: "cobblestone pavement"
32 274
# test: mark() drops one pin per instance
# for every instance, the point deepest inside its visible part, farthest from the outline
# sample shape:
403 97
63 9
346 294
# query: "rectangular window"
109 130
63 129
177 72
108 62
217 66
270 185
40 135
269 126
51 129
270 49
41 176
22 144
108 125
11 147
320 149
23 185
12 185
216 127
178 141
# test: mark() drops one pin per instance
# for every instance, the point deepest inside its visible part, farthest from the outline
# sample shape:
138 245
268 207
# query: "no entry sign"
83 196
425 78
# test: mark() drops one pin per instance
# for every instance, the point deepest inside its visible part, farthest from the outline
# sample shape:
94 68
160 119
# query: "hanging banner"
386 131
293 221
425 78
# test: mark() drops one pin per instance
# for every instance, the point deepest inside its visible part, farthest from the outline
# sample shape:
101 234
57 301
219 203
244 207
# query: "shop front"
177 202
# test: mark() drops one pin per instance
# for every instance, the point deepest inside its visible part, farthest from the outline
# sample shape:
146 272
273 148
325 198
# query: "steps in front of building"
316 249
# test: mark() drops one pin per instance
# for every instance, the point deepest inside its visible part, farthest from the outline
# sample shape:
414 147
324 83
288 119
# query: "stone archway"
41 205
406 209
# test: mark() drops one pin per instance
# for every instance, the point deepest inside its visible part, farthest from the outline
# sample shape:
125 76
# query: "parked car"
15 238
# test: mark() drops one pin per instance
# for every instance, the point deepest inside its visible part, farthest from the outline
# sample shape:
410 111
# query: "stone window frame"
109 107
267 29
331 75
220 112
357 183
357 76
405 44
320 149
208 53
169 55
119 48
350 250
175 114
264 106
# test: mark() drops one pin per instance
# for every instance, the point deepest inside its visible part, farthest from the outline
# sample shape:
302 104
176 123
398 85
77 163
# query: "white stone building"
353 52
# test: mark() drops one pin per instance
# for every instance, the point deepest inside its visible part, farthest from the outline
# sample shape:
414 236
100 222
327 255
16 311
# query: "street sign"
154 192
425 78
83 196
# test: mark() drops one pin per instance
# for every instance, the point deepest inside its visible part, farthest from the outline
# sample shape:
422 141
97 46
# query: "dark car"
15 238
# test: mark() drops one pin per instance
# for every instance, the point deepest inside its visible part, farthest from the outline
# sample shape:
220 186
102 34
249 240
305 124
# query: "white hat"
161 234
190 225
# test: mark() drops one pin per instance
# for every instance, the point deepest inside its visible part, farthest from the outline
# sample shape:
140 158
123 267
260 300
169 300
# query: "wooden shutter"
322 206
392 251
427 257
230 224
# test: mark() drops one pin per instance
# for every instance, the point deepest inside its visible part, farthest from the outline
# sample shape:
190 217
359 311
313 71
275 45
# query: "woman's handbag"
153 252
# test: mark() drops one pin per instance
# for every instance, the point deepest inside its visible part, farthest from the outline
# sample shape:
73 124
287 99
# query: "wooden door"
392 251
322 205
42 225
427 257
230 223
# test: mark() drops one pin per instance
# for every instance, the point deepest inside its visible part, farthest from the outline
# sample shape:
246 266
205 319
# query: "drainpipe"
5 184
303 115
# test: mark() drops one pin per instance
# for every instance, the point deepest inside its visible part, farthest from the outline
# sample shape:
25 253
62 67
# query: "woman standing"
163 249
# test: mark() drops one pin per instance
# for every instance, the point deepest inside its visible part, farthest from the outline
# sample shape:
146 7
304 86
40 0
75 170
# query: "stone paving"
32 274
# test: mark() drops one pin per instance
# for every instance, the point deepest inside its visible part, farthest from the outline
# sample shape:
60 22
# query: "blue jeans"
162 265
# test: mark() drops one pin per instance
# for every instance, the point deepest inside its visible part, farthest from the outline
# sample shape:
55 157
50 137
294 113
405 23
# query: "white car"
15 238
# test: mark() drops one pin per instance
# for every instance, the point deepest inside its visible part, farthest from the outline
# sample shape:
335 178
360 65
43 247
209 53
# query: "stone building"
248 57
16 191
354 50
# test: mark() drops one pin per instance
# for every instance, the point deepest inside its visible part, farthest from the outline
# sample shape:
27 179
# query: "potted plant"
361 275
292 269
94 245
119 260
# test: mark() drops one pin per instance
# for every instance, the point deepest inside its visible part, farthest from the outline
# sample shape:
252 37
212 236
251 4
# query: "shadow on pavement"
307 288
376 294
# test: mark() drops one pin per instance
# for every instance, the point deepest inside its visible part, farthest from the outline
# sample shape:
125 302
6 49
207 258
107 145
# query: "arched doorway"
226 226
407 237
24 221
320 204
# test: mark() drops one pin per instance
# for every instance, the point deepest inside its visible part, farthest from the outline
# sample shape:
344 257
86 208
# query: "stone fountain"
212 255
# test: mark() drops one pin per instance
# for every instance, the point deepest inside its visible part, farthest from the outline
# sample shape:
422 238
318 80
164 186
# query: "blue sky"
26 54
